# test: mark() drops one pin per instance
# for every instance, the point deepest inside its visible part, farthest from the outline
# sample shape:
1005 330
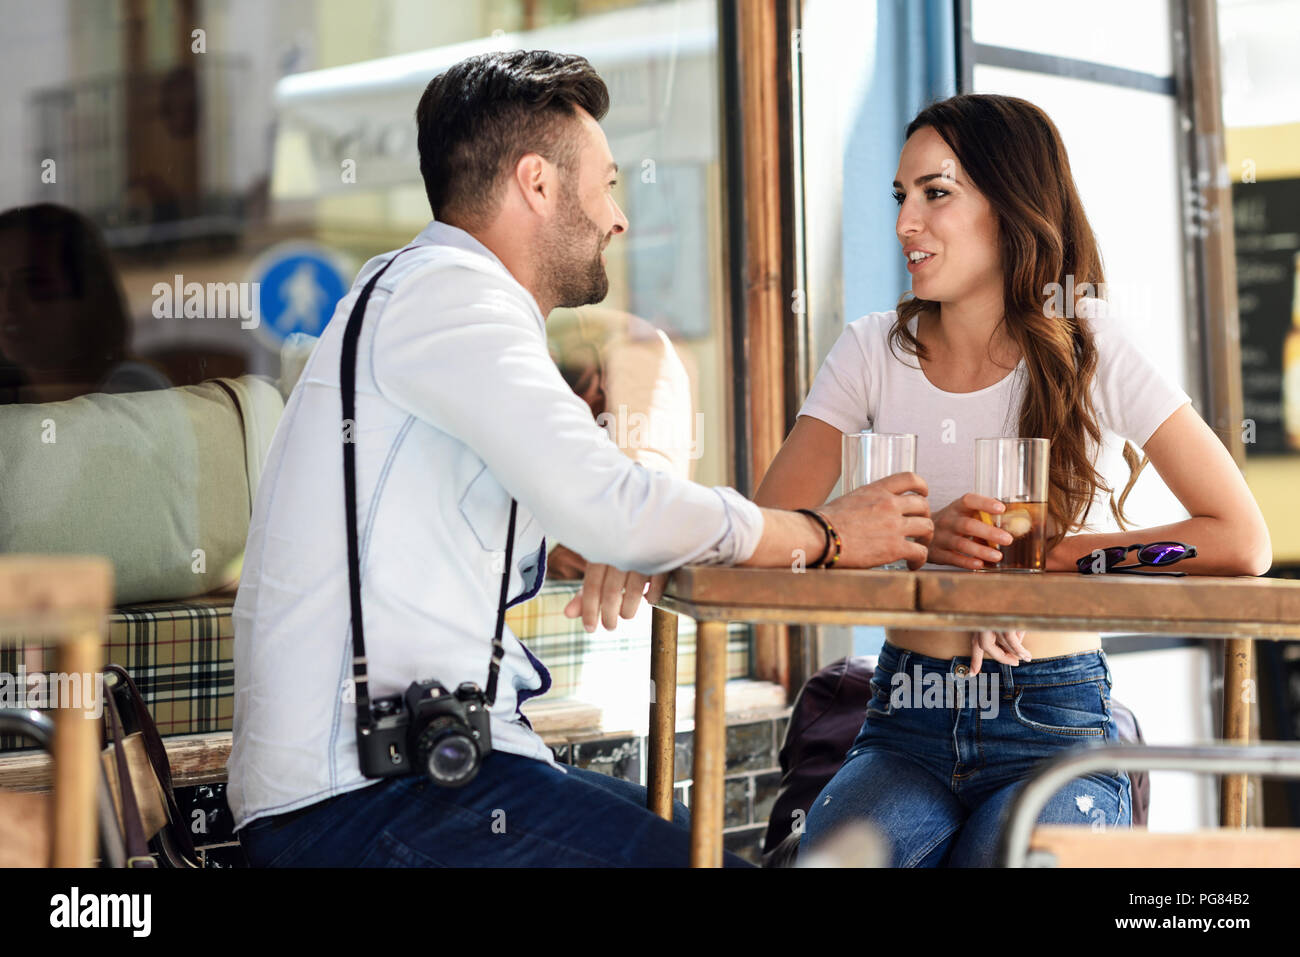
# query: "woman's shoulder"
873 328
871 335
876 320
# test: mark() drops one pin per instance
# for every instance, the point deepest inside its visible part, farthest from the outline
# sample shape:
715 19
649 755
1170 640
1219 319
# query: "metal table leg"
663 712
710 743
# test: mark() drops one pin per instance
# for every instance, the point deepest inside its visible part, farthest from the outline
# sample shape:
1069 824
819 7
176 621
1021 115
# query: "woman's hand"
962 537
1067 552
1004 647
607 592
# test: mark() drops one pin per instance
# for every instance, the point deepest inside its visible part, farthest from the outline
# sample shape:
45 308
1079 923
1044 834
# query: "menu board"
1266 217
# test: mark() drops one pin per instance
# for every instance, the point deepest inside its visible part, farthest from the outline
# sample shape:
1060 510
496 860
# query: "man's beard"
569 263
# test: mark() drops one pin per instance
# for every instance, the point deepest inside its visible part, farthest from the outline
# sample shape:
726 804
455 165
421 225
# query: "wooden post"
1238 669
663 712
710 743
768 262
76 750
765 293
1211 242
66 597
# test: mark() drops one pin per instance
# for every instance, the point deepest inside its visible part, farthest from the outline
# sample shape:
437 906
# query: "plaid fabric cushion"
181 656
181 653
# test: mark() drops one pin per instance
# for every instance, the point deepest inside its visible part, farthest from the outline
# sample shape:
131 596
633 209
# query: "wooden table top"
1051 601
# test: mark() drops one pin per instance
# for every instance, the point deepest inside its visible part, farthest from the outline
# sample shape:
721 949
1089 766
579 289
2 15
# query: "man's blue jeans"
934 772
517 812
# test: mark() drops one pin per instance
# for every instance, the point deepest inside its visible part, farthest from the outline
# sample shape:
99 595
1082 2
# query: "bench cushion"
158 482
180 654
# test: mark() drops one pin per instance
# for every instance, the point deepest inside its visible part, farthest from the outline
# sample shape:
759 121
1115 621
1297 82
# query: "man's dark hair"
477 118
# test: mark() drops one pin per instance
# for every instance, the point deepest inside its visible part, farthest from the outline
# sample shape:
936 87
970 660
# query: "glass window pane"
1133 34
659 63
277 141
1257 41
1124 157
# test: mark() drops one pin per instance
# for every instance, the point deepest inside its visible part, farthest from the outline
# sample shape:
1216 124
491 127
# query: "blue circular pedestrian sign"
299 284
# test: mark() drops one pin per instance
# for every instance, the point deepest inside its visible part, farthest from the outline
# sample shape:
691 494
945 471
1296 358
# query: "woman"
989 218
64 323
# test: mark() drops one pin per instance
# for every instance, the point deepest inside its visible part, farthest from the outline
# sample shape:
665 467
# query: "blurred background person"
64 324
638 388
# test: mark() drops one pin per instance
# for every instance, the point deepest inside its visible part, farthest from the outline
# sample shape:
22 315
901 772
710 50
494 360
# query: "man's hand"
875 522
607 592
963 538
565 564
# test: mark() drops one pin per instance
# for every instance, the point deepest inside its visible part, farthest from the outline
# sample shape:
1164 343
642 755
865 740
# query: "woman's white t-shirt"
863 385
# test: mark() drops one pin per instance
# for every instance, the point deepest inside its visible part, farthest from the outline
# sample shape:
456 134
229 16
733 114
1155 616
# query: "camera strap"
347 386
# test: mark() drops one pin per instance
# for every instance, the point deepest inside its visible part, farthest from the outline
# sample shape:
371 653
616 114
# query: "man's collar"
444 234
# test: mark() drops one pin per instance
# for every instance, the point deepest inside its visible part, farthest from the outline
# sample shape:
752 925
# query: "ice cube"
1017 522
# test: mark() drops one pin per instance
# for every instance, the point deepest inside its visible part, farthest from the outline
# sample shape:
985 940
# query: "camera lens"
453 759
449 754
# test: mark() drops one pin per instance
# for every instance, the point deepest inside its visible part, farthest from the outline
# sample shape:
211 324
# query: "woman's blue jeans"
517 812
942 754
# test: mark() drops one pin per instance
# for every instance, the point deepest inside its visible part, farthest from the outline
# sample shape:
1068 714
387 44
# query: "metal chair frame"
1267 760
40 729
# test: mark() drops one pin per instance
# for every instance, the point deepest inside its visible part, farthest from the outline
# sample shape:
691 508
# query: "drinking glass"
870 456
1014 471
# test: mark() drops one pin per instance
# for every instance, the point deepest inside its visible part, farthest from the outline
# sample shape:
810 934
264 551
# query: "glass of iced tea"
1014 471
870 456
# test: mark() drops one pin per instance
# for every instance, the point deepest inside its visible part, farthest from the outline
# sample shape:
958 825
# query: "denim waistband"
1060 669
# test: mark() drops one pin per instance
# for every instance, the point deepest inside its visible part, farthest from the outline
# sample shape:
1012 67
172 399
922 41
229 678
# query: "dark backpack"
827 717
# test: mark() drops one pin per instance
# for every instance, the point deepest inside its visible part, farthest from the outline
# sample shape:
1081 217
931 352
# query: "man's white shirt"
459 407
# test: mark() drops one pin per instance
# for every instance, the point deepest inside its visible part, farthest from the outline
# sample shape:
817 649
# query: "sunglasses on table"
1155 555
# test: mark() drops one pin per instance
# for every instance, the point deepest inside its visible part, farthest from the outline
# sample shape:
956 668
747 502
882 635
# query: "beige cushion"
158 482
261 405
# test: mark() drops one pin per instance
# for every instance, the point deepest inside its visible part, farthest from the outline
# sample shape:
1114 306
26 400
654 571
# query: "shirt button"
961 671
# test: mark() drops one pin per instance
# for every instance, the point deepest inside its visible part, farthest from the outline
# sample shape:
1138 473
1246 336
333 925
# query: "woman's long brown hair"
1013 154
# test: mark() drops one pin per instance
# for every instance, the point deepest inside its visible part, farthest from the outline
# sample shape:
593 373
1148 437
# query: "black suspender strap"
347 386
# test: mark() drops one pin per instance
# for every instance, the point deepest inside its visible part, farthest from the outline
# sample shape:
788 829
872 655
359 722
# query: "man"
459 408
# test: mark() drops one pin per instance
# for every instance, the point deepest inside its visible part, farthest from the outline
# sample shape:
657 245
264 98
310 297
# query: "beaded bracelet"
831 554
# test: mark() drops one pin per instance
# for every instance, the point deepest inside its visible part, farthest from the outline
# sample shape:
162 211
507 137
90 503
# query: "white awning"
655 60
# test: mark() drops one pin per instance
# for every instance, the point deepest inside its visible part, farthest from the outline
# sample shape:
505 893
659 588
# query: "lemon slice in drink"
1014 520
988 519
